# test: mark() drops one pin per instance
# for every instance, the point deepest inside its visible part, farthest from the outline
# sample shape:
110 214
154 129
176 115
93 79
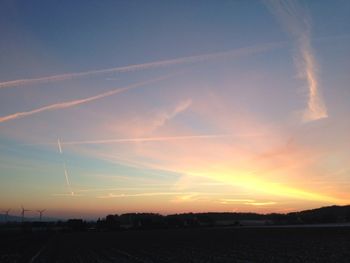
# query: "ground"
181 245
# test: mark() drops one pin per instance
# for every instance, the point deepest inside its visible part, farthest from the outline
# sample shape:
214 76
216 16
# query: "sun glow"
251 182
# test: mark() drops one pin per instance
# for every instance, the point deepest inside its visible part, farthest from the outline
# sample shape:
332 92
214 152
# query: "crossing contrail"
59 145
297 23
65 167
137 67
73 103
67 178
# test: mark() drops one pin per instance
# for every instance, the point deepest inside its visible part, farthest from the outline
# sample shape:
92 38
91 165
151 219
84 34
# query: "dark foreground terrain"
181 245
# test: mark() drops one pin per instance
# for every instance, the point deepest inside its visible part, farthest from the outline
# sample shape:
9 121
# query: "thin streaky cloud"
181 107
116 159
260 203
297 23
73 103
111 195
163 117
67 195
156 64
226 201
146 181
159 139
151 187
246 202
150 194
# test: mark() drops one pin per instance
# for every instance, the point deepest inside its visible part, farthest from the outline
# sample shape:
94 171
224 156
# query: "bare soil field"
20 247
182 245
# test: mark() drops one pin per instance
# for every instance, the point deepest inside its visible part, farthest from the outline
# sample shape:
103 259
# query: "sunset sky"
174 106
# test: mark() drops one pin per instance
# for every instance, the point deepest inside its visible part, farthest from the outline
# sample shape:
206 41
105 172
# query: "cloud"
148 122
261 159
180 196
235 200
163 117
254 160
246 202
67 195
156 64
195 164
296 22
73 103
261 203
111 195
149 139
143 188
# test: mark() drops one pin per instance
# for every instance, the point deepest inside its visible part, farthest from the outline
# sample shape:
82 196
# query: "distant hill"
12 218
323 215
329 214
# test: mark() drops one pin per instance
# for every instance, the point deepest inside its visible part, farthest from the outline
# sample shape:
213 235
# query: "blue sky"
266 122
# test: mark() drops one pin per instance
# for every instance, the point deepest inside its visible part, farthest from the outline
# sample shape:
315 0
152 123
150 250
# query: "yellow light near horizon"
249 181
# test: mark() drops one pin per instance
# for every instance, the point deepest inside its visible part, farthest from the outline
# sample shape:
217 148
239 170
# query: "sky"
173 106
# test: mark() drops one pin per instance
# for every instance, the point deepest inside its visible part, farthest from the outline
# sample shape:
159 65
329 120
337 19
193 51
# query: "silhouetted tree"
76 225
112 222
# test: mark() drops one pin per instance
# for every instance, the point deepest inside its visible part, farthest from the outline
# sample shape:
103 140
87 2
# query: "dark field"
182 245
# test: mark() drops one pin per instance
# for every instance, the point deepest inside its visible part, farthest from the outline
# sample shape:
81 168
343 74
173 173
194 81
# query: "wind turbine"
22 213
6 214
41 213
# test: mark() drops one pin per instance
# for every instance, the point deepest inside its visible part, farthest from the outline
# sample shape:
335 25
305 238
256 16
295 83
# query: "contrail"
297 23
69 104
67 178
156 139
156 64
59 145
65 167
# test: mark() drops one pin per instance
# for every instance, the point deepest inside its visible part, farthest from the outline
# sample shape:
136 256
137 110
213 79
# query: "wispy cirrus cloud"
261 203
244 51
246 202
149 139
297 23
162 117
67 195
235 200
111 195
